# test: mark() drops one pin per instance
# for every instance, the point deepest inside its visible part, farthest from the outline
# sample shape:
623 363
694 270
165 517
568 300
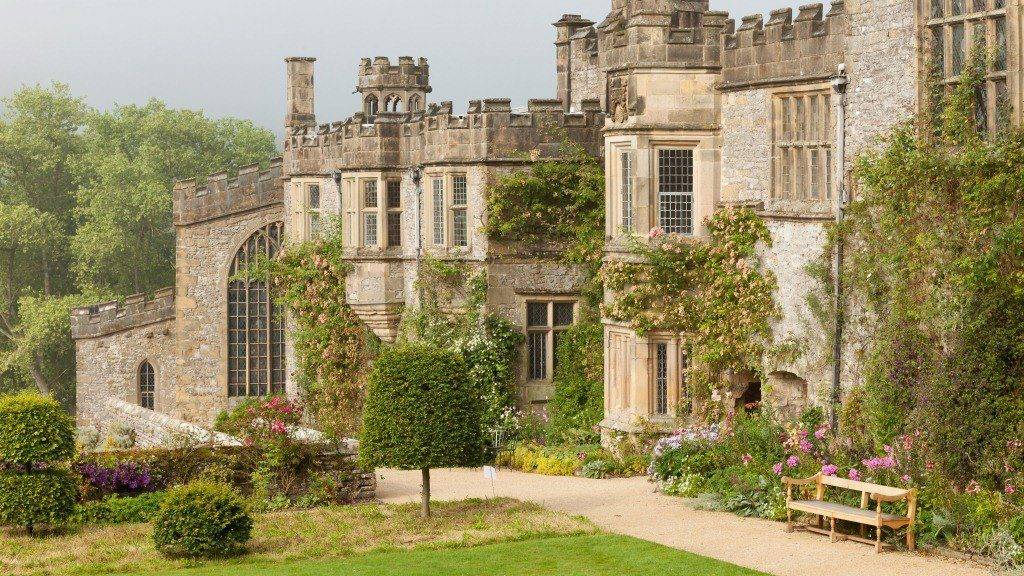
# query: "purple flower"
854 475
777 469
829 470
805 446
793 461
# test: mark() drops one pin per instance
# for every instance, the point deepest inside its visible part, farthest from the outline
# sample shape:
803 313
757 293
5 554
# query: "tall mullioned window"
675 190
394 207
313 214
255 323
802 146
957 28
661 379
545 322
460 218
147 386
439 211
371 204
626 171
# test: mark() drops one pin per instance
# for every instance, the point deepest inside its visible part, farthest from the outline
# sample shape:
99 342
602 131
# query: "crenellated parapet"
661 34
390 88
785 49
490 130
135 311
221 196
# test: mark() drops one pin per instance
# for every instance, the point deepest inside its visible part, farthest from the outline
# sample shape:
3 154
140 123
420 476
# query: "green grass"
590 555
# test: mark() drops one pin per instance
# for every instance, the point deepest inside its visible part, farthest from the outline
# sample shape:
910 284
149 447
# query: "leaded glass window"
661 379
439 211
675 190
460 218
545 322
626 168
147 386
255 323
802 154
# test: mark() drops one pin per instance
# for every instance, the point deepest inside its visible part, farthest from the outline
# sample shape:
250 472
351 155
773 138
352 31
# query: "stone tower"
386 88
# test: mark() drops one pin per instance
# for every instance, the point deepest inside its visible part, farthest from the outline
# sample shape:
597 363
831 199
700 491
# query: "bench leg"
832 530
878 540
789 520
911 539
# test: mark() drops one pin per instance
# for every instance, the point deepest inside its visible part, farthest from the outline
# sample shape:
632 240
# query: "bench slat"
863 486
844 512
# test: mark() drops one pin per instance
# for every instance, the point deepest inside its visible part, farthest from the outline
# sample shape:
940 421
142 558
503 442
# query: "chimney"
300 93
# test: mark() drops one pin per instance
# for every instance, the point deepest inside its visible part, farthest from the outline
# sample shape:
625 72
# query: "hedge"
34 429
42 497
201 519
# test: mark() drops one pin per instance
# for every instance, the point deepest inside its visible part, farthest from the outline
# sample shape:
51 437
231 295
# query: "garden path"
630 506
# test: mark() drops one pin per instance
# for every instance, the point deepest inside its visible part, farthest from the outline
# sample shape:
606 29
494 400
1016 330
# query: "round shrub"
33 429
201 519
41 497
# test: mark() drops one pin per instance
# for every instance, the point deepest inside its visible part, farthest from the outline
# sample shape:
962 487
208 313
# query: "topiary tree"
36 441
421 412
201 519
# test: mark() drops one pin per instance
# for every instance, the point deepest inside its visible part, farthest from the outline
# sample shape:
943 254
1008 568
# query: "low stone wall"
154 429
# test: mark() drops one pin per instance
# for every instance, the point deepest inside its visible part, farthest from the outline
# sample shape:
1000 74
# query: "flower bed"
590 461
736 466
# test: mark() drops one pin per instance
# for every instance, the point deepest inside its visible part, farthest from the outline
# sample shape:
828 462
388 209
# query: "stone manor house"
691 109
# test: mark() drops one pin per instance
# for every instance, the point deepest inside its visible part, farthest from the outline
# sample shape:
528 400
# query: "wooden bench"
863 515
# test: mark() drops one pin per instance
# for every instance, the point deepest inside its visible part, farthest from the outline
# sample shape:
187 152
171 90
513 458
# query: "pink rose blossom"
655 233
854 475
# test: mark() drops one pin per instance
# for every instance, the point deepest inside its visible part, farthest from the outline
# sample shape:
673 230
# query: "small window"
372 106
370 194
460 220
626 162
802 146
661 379
313 222
675 191
394 194
545 322
370 229
439 211
147 386
394 216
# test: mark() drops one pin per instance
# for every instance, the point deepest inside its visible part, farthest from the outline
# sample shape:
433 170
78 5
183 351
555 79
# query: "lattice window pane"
394 194
661 379
957 7
370 196
939 49
999 60
313 197
460 227
537 314
537 351
370 229
147 386
959 49
439 211
394 228
564 313
675 190
277 356
938 8
460 194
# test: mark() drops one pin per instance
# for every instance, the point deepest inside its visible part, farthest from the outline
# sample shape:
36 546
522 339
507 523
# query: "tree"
421 412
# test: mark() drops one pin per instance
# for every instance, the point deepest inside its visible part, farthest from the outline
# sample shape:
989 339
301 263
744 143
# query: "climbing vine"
712 292
558 204
333 347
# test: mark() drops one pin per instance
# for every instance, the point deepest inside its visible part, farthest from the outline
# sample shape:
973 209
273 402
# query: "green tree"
421 412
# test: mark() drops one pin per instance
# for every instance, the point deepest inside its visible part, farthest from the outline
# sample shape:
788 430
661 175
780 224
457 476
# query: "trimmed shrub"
34 429
422 411
202 519
121 509
578 405
41 497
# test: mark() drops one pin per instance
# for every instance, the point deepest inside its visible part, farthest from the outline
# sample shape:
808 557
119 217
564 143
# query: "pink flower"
805 446
829 470
656 232
777 469
973 487
906 478
1010 489
582 455
854 475
278 427
747 459
793 461
822 431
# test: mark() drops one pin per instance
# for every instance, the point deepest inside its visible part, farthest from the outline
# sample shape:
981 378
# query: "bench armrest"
797 482
883 498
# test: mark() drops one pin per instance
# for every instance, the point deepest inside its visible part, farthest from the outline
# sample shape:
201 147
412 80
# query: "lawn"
588 555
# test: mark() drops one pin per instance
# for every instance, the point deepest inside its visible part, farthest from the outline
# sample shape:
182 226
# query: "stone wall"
152 429
746 145
203 257
110 347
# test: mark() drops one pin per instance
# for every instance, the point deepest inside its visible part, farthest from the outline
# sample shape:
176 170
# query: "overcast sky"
226 56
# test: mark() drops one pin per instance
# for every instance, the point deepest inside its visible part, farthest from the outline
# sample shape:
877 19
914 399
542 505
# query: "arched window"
255 322
414 103
372 105
147 386
393 103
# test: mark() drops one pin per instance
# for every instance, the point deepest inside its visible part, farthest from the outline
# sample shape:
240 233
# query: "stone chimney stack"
567 27
300 93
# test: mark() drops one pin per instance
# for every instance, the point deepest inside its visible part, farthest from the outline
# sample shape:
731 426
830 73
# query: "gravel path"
629 506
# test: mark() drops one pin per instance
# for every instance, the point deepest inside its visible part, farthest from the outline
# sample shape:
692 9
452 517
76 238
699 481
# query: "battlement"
380 74
661 33
220 196
785 48
489 130
136 311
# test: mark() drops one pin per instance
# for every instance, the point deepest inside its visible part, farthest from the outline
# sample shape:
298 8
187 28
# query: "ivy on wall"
713 292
